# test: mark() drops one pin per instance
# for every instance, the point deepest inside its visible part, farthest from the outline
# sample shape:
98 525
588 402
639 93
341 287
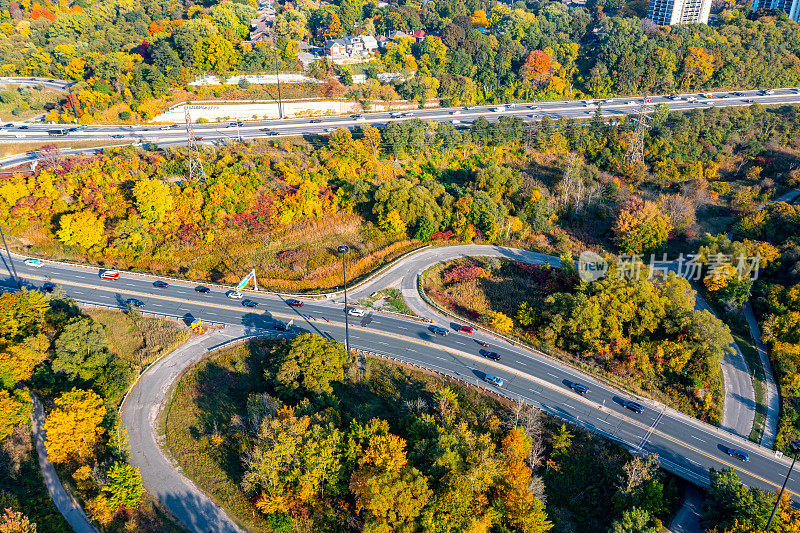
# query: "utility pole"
278 77
794 446
195 164
13 270
636 151
343 250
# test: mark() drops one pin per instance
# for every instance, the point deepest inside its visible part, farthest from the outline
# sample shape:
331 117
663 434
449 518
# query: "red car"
110 275
465 329
294 303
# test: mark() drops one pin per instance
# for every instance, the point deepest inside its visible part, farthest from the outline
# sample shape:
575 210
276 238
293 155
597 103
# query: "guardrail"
632 448
744 442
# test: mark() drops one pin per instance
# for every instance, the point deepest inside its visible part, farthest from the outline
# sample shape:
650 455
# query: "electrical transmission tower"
195 164
636 151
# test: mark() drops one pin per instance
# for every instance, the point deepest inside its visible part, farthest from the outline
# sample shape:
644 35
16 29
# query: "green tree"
82 229
389 493
215 54
562 440
425 229
81 350
636 520
293 459
124 487
729 503
153 199
309 363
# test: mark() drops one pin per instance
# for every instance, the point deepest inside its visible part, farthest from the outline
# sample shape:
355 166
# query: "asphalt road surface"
686 446
175 134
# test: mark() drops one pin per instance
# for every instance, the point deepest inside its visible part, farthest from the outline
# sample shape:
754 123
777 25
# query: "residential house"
351 47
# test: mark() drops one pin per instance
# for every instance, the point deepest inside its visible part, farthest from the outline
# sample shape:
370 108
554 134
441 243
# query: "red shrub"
441 236
460 273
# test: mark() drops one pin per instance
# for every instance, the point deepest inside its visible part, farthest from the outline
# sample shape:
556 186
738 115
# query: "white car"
455 122
456 112
352 311
33 262
234 295
165 127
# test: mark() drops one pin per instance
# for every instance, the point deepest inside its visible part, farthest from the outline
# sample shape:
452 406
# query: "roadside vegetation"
20 103
645 335
283 207
391 446
388 300
79 364
128 60
776 303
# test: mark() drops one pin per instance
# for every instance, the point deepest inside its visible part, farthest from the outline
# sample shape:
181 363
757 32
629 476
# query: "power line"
636 151
195 164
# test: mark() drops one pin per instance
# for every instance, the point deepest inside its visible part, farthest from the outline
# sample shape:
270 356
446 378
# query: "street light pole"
794 446
277 77
343 250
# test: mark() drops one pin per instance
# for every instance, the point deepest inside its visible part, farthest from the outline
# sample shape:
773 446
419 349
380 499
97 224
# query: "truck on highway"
58 132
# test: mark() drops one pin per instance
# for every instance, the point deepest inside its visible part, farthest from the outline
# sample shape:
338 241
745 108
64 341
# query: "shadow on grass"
219 390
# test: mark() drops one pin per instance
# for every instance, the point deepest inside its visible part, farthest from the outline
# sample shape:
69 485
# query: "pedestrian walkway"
687 519
67 506
773 399
139 414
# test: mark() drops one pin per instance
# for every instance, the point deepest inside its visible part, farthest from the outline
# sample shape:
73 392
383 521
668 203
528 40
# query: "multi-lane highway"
175 134
686 446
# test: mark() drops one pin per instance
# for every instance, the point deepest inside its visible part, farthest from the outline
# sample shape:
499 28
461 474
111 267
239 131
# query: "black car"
280 326
161 284
580 388
494 356
48 287
314 121
633 406
117 136
22 127
742 456
294 303
249 303
134 302
202 290
440 331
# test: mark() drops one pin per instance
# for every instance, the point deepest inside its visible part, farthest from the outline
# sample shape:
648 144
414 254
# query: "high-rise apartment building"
669 12
791 7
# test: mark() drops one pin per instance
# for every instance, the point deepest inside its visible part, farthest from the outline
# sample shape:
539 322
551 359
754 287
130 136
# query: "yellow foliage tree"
73 427
500 322
15 409
522 509
17 363
82 229
479 18
719 277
